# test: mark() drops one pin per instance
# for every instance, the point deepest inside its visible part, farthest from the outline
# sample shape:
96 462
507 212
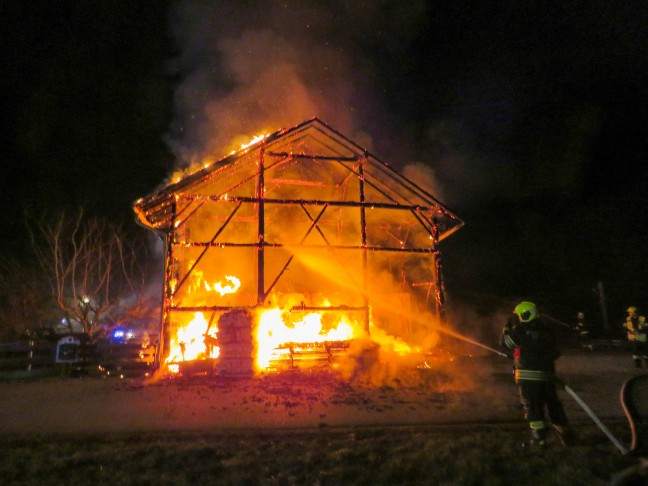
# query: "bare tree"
95 272
24 304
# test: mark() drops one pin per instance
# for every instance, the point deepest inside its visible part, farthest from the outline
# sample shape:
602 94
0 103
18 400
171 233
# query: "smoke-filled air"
245 72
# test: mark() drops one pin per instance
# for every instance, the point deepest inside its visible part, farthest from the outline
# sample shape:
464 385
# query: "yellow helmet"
632 310
526 311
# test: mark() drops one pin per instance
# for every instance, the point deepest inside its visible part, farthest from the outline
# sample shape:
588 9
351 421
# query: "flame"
233 285
281 331
255 139
273 331
278 333
392 343
194 341
229 285
206 162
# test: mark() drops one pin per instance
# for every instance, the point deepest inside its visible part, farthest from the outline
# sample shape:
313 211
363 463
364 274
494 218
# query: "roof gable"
311 164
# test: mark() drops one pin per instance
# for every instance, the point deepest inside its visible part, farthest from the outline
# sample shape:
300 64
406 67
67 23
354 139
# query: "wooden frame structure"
304 212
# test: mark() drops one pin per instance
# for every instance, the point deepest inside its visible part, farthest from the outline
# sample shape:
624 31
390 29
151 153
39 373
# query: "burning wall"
298 244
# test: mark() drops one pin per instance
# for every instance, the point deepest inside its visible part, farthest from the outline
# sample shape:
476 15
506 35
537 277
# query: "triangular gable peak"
309 165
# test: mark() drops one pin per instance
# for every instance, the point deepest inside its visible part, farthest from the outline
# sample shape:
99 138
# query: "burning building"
291 248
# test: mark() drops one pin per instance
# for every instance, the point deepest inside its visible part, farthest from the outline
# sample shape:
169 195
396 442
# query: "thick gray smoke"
246 68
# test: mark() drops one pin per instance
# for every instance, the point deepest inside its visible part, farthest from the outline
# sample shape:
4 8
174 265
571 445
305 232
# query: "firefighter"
636 329
535 352
582 332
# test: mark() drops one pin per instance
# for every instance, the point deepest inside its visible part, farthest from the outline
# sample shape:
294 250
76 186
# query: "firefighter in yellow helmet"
535 352
636 331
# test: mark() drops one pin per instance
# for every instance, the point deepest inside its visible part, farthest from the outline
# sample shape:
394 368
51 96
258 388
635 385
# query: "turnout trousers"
535 397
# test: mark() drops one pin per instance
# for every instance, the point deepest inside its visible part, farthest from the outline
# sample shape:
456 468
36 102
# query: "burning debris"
291 251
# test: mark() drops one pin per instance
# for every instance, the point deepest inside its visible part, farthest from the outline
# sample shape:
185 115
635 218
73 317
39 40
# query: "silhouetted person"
636 329
535 352
582 332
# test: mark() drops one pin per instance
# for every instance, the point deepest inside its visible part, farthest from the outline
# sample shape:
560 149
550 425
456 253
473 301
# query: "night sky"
528 119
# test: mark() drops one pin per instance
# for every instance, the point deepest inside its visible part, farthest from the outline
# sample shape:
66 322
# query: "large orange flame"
273 331
278 331
194 341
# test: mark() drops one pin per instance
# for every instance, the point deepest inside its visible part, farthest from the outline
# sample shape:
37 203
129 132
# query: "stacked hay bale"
236 343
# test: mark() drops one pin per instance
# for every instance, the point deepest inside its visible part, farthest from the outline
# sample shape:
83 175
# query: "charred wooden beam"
202 254
260 191
313 156
167 294
438 272
327 308
363 236
224 244
285 267
312 202
188 217
332 248
211 308
224 308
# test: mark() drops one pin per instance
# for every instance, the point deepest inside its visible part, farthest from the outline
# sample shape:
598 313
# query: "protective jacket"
534 349
636 328
581 328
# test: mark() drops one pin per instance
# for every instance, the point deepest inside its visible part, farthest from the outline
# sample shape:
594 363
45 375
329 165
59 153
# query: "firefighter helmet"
526 311
632 310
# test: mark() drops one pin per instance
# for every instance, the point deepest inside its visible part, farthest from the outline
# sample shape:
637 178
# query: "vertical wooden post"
167 292
260 194
439 291
363 235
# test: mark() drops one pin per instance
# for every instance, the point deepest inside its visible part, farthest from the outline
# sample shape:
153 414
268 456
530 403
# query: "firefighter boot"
538 444
534 444
538 439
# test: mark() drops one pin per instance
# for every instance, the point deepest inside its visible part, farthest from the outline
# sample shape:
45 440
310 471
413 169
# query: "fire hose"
569 390
596 420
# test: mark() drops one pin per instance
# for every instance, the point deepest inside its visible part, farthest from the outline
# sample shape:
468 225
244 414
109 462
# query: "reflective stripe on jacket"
532 375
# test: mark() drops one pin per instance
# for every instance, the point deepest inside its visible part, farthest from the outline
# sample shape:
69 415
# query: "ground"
448 389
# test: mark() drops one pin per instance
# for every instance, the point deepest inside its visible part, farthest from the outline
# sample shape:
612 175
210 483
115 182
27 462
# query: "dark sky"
529 117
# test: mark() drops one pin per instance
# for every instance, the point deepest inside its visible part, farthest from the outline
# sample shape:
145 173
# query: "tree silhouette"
96 272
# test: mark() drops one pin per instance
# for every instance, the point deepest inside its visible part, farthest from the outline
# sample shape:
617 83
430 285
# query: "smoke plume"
246 68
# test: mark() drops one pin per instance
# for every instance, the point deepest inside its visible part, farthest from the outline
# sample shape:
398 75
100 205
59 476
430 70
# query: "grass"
431 455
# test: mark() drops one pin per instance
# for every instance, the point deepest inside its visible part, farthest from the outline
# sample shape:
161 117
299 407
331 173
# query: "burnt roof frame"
145 204
158 210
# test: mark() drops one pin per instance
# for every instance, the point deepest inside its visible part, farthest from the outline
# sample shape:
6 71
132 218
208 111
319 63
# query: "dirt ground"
448 389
